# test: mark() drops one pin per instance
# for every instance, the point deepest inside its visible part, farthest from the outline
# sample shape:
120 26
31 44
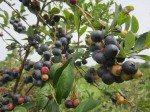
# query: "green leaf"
22 8
144 57
87 105
52 107
59 72
134 24
67 13
41 94
128 23
128 9
29 105
65 83
54 69
43 29
76 21
57 59
20 109
55 10
1 1
117 10
30 30
77 55
143 41
147 42
129 41
82 30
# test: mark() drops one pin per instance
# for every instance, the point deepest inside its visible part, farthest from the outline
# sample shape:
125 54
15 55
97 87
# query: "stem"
29 89
86 17
11 36
21 69
46 104
15 11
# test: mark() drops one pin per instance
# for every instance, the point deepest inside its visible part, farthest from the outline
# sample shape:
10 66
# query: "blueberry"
69 104
118 79
5 101
70 50
84 61
47 55
20 24
108 78
78 63
64 41
6 77
20 28
51 23
27 67
95 47
37 38
11 21
98 57
38 65
39 51
58 44
60 33
109 62
26 2
111 40
15 97
44 47
69 36
56 51
97 36
101 70
27 99
36 74
129 67
16 20
28 79
89 77
47 64
111 51
56 18
38 83
120 59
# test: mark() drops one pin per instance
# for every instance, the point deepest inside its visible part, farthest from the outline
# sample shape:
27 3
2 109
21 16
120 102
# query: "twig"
11 36
16 12
29 89
21 69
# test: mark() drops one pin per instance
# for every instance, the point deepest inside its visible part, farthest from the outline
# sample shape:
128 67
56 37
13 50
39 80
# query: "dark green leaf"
59 72
134 24
143 41
87 105
129 41
41 94
65 83
29 105
52 107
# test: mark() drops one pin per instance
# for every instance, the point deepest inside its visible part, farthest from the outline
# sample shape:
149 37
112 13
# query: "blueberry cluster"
18 27
34 40
10 99
40 73
62 43
51 20
28 64
35 5
8 75
113 68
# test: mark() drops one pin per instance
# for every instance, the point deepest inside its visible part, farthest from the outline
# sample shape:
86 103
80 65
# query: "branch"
21 68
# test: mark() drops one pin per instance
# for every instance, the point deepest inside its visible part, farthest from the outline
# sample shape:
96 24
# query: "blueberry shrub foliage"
67 33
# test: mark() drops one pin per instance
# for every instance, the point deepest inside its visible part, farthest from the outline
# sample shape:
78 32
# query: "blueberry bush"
67 34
